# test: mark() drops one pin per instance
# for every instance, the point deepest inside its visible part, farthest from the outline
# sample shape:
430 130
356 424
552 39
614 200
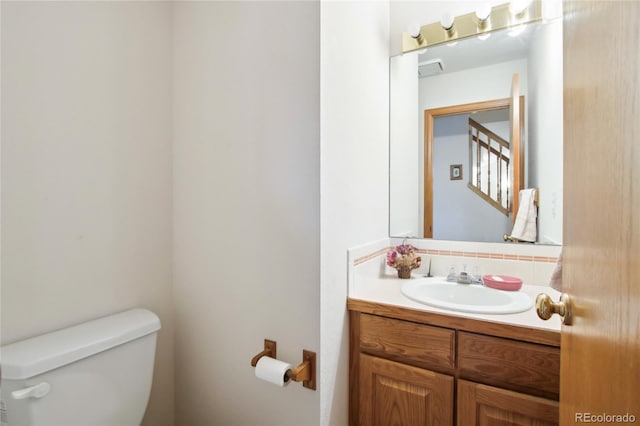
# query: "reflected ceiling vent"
430 67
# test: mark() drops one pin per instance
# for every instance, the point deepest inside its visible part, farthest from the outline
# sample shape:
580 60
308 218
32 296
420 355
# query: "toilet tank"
97 373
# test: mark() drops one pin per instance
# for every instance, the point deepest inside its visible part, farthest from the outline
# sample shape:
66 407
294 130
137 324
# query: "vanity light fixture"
483 21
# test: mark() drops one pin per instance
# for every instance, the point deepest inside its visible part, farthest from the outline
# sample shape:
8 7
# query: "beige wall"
94 95
86 170
246 87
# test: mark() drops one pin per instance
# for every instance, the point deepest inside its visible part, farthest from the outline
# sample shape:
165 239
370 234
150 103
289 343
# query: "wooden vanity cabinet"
410 367
480 404
392 393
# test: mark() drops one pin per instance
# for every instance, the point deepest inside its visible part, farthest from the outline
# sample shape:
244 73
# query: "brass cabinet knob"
545 307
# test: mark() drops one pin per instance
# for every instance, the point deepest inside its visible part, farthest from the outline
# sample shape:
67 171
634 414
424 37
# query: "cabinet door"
490 406
397 394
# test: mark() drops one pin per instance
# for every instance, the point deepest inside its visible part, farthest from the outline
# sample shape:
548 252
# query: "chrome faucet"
464 278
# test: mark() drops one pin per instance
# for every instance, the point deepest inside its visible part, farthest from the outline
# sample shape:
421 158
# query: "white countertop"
385 289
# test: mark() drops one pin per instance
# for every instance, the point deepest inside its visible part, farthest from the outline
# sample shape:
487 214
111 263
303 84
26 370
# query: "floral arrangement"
404 259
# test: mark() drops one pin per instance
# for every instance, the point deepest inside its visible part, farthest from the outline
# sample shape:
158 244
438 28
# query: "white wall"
404 157
474 85
86 170
354 170
246 207
546 128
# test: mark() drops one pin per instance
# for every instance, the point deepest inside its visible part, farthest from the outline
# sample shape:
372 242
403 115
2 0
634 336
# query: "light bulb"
516 7
446 20
483 11
414 31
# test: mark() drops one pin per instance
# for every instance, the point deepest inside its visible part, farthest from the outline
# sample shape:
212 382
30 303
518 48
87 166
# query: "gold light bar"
465 26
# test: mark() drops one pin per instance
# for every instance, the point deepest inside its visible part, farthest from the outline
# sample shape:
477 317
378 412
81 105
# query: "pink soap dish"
502 282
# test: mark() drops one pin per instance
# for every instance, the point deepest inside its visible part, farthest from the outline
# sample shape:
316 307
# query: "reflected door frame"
429 116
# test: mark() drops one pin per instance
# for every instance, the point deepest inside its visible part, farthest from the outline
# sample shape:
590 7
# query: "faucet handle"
476 278
463 278
452 274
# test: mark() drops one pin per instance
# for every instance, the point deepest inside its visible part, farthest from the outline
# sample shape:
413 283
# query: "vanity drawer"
521 366
412 343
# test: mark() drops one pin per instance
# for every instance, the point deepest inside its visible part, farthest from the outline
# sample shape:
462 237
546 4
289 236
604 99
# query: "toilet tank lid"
37 355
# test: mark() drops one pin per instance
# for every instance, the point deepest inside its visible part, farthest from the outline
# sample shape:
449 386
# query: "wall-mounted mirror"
475 71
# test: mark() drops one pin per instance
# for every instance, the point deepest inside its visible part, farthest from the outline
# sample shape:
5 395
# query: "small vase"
404 272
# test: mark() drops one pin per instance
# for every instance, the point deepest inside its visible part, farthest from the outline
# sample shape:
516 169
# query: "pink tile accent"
545 259
479 255
368 257
526 258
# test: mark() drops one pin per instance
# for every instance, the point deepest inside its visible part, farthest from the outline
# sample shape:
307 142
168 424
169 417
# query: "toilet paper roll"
272 370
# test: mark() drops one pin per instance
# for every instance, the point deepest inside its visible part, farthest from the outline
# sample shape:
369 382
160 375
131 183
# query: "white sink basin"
466 297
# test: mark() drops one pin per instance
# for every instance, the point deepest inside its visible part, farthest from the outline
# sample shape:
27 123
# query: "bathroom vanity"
414 366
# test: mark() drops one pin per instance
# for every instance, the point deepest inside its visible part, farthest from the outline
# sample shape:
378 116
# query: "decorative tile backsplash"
370 256
482 255
532 263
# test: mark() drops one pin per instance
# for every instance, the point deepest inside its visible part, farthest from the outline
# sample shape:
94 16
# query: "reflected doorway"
456 174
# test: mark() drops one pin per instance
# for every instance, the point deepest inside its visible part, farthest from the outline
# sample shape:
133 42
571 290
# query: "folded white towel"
525 227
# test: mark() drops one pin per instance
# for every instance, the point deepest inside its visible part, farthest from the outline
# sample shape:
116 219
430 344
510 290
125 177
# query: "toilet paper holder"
305 372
